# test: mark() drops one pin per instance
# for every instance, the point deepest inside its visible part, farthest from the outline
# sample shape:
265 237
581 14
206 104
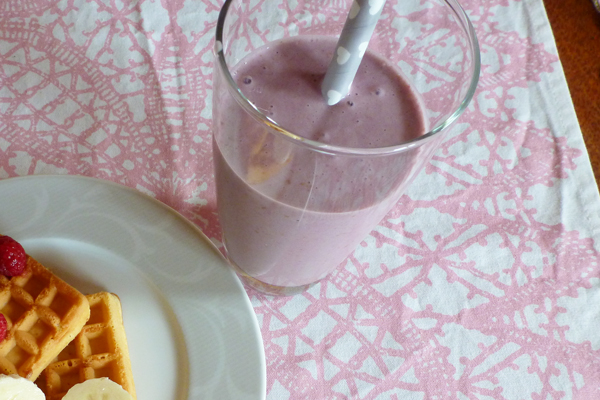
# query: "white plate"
191 330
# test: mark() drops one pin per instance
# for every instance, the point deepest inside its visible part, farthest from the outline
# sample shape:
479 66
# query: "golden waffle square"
99 350
44 314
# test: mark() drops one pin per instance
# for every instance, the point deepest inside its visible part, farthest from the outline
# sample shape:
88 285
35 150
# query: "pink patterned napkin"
482 283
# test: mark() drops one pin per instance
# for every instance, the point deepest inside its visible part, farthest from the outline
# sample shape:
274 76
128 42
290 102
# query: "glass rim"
251 108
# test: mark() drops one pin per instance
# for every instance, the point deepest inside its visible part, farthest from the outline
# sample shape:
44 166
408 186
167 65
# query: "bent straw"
350 49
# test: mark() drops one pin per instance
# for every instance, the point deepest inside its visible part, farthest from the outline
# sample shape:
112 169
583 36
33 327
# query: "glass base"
267 288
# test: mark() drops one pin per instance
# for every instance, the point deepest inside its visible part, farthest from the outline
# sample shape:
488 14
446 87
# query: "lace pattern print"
484 288
113 95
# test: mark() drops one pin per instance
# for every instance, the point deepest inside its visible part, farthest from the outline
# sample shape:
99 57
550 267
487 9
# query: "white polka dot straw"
351 47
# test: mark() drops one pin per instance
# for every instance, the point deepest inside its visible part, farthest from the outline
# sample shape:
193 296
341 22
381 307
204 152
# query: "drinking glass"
291 208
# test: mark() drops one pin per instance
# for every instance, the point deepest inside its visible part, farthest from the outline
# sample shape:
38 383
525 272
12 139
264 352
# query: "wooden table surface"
576 27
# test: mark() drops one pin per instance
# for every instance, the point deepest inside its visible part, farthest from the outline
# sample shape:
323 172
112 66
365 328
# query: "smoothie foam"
290 214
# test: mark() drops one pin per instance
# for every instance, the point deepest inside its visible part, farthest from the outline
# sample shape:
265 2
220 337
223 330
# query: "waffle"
44 314
99 350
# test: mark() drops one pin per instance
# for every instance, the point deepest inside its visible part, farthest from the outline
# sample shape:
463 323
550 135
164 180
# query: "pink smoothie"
289 214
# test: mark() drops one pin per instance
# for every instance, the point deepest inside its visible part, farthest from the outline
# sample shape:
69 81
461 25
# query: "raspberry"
12 257
3 327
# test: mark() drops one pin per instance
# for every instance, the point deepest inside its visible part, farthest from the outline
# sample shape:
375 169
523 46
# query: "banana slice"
14 387
97 389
